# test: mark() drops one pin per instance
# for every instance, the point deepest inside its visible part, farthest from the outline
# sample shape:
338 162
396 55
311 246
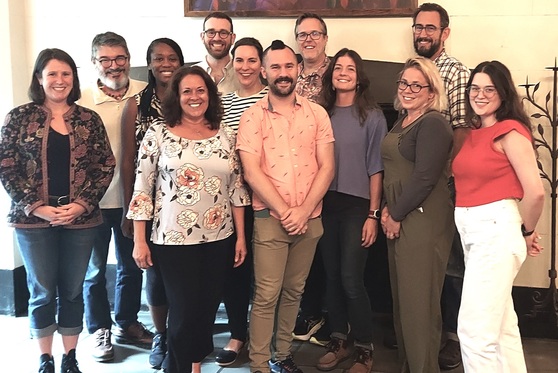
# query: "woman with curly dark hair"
188 182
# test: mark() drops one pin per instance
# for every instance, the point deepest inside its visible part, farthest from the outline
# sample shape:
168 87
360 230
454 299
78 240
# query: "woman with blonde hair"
417 217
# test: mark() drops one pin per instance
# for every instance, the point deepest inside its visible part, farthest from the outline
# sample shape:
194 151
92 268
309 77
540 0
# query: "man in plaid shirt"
430 31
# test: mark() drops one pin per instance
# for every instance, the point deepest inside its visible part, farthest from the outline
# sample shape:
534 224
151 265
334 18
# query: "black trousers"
194 277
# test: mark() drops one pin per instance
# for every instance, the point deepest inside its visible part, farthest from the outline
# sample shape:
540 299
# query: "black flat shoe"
226 357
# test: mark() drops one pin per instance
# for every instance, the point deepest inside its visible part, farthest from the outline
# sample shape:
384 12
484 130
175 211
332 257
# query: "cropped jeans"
55 259
494 252
127 293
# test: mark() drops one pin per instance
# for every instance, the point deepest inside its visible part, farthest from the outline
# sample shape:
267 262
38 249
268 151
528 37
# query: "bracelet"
525 232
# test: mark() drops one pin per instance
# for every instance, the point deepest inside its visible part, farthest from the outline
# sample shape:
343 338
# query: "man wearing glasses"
311 37
218 38
111 59
430 31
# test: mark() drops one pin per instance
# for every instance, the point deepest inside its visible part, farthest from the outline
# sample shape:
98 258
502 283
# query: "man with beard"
218 38
430 30
286 148
111 58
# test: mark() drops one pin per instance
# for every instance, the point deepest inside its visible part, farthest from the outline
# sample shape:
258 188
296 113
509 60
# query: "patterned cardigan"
23 163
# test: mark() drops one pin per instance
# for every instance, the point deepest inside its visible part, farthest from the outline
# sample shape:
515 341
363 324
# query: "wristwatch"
374 214
525 232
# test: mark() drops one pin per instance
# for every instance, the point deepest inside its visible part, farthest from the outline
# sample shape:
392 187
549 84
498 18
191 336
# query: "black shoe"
226 357
47 364
69 363
158 350
284 366
306 326
450 356
323 336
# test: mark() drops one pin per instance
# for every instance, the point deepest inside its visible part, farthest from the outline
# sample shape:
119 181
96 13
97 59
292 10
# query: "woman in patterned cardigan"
56 165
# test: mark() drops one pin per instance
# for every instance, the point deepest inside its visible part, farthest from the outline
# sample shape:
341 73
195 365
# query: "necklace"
116 94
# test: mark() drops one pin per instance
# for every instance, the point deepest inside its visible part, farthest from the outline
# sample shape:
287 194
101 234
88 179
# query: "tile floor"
19 354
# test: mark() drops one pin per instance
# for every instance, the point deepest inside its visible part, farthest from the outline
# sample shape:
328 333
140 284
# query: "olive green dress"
418 258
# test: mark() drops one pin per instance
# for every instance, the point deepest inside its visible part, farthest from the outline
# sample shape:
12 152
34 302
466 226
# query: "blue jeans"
127 294
345 260
55 259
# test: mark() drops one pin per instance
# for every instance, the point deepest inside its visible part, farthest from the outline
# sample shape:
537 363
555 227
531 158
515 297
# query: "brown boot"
363 361
336 353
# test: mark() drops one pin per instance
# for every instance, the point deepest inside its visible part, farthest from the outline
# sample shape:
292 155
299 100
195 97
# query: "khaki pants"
281 265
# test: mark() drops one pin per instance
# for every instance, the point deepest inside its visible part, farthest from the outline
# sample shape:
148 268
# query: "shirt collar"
320 72
266 104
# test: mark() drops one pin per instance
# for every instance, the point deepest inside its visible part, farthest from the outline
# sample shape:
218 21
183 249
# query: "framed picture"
293 8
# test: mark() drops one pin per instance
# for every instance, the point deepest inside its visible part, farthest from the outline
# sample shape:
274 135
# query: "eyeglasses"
429 29
314 35
415 88
107 62
489 91
223 34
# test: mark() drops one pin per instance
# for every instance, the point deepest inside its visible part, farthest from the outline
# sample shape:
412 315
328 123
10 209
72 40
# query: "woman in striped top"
247 61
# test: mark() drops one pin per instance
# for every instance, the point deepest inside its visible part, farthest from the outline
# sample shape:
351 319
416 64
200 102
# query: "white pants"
494 252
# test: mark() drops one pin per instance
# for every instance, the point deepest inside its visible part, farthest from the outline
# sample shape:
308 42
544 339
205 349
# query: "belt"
262 213
56 201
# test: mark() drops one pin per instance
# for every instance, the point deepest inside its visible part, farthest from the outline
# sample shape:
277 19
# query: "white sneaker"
102 346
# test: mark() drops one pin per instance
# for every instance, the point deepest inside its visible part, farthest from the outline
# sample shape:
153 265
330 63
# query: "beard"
425 51
114 84
217 54
282 92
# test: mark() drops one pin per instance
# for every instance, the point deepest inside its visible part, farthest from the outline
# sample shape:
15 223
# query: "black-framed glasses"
223 34
107 62
489 91
415 88
429 29
314 35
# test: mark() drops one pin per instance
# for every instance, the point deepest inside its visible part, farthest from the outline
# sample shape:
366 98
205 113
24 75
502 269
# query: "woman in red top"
499 199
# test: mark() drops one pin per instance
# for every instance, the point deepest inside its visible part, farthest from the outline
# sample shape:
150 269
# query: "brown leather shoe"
336 352
363 361
136 334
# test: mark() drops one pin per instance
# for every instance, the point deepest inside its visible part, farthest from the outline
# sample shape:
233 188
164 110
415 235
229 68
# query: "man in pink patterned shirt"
286 147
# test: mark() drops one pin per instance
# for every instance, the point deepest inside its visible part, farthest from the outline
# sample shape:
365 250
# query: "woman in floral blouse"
188 181
56 165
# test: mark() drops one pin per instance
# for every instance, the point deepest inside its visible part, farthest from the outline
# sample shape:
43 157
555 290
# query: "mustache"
117 70
283 79
424 39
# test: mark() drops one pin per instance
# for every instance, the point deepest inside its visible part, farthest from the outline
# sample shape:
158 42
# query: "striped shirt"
235 105
455 76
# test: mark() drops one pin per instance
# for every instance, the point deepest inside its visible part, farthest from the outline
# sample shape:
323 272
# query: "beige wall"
521 33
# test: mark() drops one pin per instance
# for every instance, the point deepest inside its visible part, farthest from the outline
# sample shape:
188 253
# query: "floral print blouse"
194 184
23 163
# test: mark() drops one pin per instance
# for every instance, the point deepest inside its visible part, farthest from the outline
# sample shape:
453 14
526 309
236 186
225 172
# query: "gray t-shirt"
357 150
